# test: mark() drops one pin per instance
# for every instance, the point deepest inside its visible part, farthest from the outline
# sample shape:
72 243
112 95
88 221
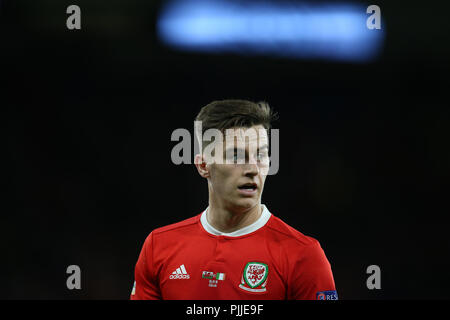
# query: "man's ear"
201 166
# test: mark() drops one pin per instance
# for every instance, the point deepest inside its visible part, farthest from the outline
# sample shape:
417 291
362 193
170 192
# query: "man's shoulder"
288 234
178 226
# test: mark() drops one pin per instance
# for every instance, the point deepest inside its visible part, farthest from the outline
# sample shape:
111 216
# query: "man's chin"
246 203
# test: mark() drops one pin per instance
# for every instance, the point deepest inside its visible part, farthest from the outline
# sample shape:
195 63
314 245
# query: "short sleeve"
311 277
146 285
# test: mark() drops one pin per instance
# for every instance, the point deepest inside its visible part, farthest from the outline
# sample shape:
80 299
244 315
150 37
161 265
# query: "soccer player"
236 248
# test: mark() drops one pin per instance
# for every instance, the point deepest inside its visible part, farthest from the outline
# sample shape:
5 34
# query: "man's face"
236 177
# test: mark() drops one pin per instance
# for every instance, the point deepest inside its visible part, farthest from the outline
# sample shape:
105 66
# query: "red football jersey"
191 260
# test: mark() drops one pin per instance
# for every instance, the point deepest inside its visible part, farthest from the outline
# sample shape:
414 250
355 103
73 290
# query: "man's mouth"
248 188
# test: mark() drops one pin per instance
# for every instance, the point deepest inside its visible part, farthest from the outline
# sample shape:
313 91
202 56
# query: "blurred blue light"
336 32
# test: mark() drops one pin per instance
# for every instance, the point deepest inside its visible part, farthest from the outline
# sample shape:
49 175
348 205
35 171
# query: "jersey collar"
262 220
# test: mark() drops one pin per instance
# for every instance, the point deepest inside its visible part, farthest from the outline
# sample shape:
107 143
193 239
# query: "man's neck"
228 220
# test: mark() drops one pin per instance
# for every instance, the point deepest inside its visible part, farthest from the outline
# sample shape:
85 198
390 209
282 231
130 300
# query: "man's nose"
251 168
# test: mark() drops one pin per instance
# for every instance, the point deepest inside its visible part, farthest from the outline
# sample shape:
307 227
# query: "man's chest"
221 270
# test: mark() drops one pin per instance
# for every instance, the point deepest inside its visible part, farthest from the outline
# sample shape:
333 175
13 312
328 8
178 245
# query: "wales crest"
254 277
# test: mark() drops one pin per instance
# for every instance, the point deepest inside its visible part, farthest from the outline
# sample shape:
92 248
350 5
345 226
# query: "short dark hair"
231 113
235 113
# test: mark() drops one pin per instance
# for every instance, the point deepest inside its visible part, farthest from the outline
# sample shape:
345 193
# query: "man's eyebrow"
234 149
265 146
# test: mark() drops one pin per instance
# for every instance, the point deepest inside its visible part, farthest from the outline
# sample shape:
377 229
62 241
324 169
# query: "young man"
235 249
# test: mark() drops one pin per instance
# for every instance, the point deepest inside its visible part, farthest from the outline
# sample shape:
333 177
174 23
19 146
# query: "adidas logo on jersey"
180 273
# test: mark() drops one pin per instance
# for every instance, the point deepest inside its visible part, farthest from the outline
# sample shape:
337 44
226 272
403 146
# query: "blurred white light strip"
296 30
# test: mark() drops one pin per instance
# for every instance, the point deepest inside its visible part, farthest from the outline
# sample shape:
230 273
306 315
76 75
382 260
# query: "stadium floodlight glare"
287 29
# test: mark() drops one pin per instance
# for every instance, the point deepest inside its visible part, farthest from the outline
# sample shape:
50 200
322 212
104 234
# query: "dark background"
88 116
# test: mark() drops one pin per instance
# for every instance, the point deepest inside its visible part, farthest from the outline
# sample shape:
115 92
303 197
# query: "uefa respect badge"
327 295
254 277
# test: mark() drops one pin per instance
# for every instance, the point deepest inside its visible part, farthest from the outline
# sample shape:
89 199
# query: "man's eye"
262 155
234 157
